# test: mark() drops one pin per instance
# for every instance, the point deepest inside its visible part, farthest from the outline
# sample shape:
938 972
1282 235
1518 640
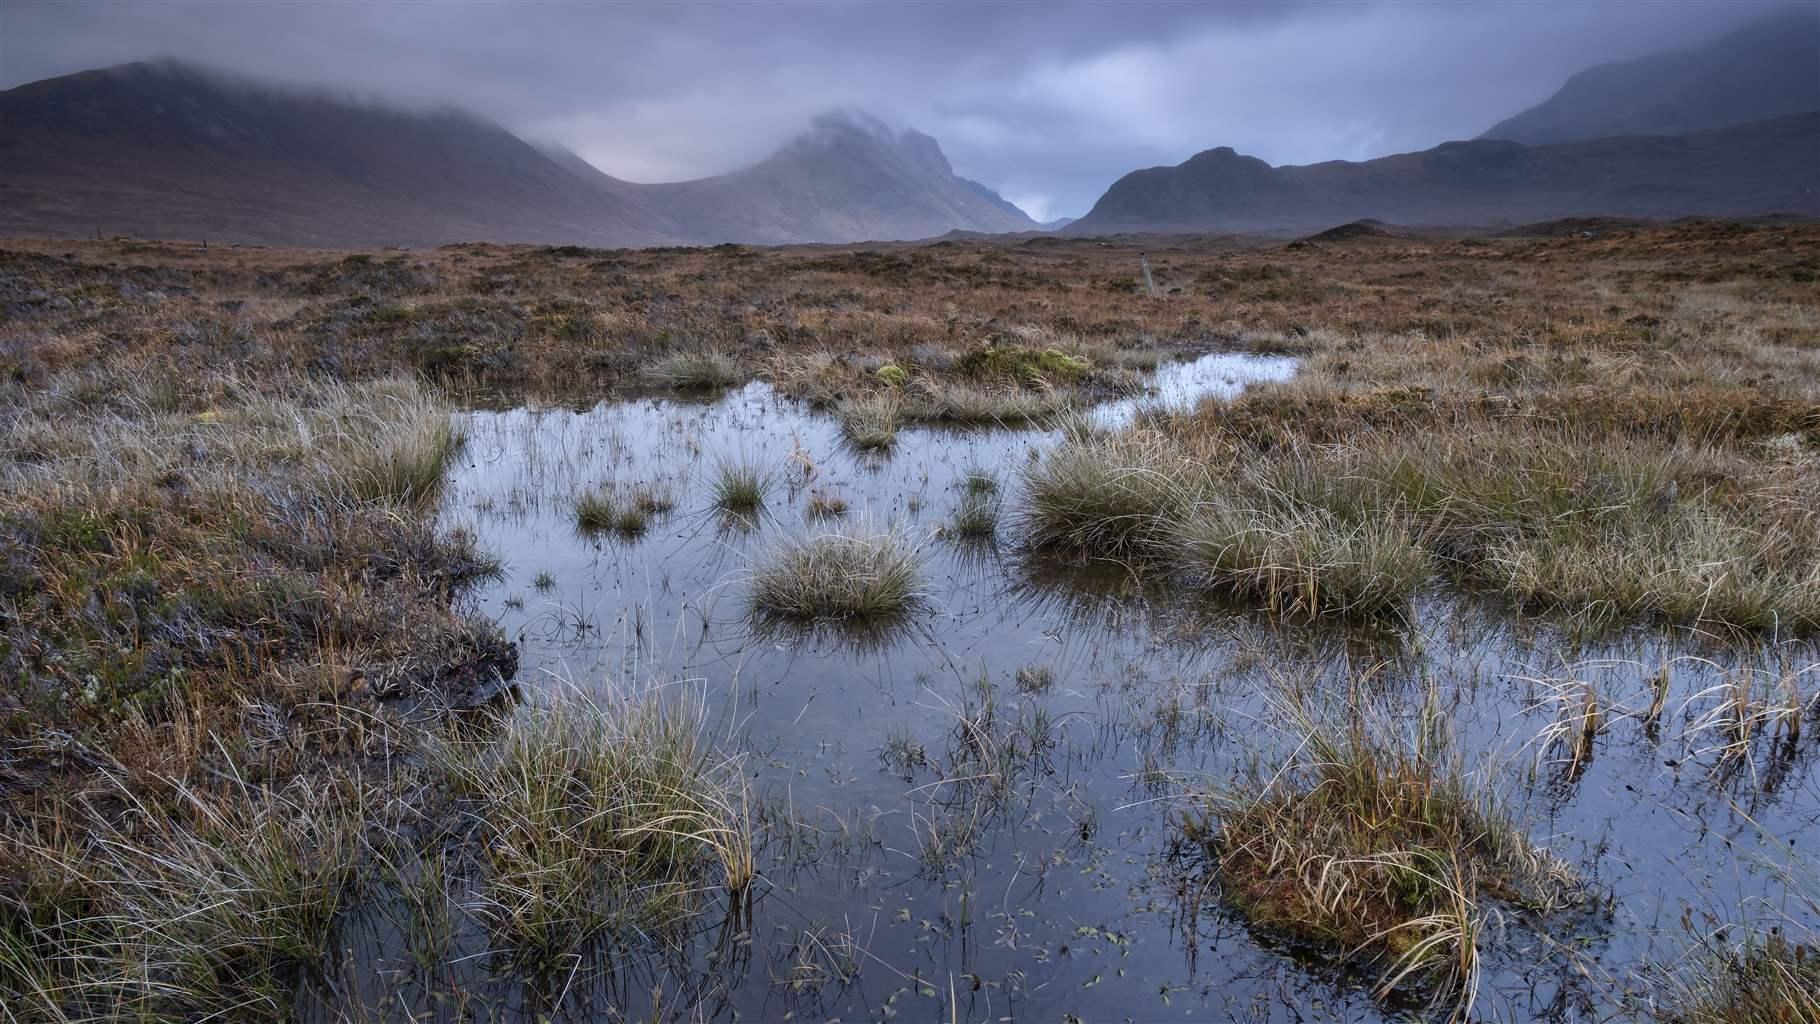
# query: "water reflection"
968 812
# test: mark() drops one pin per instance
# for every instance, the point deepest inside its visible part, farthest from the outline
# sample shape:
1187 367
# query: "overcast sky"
1048 103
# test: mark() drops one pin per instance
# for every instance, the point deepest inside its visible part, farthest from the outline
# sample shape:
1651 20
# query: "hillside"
164 150
167 150
1769 68
1763 167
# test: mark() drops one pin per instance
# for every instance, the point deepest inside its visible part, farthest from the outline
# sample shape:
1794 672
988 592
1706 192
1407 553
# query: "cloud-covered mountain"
167 150
1769 68
848 178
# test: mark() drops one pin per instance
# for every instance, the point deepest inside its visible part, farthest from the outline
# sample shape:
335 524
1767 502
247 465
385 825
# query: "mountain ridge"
1769 67
1758 168
166 149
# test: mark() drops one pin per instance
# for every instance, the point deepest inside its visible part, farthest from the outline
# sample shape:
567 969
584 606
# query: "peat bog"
1392 629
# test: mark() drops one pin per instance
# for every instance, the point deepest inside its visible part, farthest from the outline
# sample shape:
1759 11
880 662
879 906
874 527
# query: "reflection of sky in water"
1063 901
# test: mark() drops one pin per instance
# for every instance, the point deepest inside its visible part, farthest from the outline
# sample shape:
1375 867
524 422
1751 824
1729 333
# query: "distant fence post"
1149 285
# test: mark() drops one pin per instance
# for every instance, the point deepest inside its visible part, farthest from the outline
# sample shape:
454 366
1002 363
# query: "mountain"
1763 167
167 150
849 178
1768 68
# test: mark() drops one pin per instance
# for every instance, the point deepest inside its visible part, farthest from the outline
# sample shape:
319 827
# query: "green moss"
1023 365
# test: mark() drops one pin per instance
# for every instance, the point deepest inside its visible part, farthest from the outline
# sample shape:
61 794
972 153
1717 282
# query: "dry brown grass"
1377 842
244 559
1641 459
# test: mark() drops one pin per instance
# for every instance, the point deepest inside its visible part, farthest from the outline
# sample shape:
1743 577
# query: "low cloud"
1047 103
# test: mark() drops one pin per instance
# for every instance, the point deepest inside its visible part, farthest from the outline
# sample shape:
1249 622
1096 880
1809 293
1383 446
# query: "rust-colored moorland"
237 660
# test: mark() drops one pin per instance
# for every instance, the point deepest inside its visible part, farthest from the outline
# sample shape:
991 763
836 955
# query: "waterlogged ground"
901 879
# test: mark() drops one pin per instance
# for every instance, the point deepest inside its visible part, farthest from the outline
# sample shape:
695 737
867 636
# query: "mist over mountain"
165 149
1768 68
168 150
848 178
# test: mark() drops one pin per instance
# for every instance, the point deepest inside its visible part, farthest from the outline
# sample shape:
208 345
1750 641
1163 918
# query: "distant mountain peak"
170 149
857 132
1744 170
1769 67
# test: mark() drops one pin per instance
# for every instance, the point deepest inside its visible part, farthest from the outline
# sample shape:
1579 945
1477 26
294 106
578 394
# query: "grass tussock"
870 422
627 512
1602 528
697 370
207 906
741 490
848 578
1769 981
1009 386
823 505
1108 496
975 518
1301 562
1382 848
595 815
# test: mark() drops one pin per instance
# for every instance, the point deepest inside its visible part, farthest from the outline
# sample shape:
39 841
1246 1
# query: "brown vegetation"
220 572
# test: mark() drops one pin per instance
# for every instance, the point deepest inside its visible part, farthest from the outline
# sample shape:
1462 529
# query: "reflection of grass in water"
1035 678
1754 972
993 754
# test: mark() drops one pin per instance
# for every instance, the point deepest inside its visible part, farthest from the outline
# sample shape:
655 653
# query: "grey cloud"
1047 102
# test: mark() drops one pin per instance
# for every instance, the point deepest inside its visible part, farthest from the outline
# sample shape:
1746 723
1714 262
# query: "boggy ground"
242 676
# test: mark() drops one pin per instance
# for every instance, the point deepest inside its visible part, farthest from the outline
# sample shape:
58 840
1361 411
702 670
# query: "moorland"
1551 495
